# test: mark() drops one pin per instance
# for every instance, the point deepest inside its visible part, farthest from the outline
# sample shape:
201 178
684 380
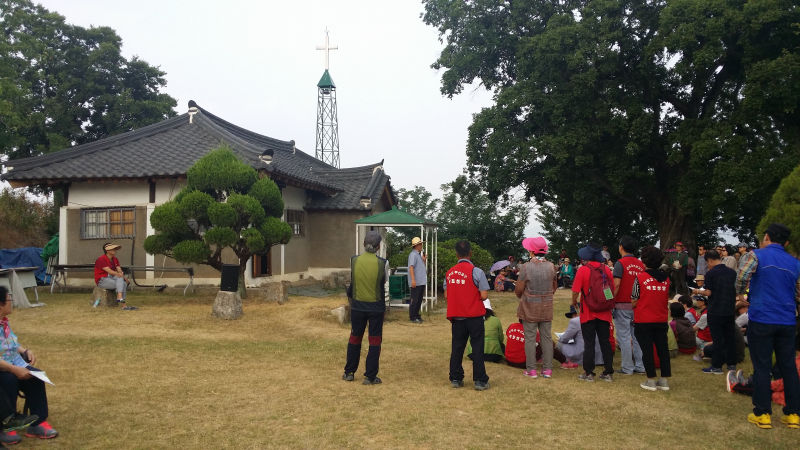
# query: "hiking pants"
359 321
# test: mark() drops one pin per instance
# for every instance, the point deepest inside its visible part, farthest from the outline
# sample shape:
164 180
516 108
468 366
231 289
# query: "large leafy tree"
62 84
680 114
784 207
224 205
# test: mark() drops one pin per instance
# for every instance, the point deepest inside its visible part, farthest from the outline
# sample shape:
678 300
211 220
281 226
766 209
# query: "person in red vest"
467 288
515 345
594 324
650 296
625 270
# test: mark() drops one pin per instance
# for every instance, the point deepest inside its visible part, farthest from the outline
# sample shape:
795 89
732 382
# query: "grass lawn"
171 376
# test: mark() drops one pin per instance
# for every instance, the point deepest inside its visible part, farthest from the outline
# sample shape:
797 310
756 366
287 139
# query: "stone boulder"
107 297
276 292
227 305
342 314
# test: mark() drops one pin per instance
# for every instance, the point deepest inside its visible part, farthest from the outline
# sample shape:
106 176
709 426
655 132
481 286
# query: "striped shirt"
747 267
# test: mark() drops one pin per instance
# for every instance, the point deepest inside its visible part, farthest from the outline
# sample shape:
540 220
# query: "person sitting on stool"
108 274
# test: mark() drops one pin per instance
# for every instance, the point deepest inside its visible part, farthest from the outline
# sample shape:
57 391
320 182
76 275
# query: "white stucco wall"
294 198
108 194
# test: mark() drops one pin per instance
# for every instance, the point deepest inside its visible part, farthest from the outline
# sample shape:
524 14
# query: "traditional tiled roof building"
112 185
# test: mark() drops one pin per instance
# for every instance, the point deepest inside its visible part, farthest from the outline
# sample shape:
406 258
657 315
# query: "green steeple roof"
326 81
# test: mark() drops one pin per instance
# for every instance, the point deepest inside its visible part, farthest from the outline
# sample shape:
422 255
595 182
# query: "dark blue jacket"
772 288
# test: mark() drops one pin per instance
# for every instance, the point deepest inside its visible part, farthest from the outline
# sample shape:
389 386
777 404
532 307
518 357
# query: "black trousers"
654 333
462 330
600 329
764 339
416 302
358 322
722 334
34 391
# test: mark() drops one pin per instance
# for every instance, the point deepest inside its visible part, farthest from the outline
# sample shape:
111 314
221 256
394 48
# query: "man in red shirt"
108 273
467 288
593 323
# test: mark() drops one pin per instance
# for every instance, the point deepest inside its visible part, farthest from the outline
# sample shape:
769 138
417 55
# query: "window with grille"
108 223
297 220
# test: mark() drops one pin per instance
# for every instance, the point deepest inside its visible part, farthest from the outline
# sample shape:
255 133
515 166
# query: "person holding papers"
17 374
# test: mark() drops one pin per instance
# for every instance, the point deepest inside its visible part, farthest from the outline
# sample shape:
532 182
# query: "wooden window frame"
108 223
296 218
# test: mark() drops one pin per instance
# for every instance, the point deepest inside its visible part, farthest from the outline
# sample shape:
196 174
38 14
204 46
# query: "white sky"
255 64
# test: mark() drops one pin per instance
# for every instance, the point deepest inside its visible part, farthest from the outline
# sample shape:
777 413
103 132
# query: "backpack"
595 298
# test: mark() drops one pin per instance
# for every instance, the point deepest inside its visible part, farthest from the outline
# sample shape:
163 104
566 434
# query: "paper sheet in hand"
41 375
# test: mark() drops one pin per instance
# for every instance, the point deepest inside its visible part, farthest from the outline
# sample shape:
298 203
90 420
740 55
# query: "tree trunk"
674 225
242 288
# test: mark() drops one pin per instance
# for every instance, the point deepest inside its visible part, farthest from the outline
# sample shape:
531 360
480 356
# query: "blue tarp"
24 257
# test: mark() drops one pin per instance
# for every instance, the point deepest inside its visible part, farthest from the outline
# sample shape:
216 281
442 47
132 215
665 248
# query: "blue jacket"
772 288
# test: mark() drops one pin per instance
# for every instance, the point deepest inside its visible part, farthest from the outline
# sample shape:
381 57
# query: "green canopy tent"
428 231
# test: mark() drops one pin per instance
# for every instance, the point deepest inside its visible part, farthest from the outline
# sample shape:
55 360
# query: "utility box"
398 286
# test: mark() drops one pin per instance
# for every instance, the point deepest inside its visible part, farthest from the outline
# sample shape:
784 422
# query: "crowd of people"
652 307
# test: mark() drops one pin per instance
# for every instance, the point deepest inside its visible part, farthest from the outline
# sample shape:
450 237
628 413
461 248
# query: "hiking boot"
763 421
10 438
649 385
607 377
18 421
791 421
730 381
42 431
586 377
457 383
714 370
531 373
481 385
662 384
547 373
348 376
370 381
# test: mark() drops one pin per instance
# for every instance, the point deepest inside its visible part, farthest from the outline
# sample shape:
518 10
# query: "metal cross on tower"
327 117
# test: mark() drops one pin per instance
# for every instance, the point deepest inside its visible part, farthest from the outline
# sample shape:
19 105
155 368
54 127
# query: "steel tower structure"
327 116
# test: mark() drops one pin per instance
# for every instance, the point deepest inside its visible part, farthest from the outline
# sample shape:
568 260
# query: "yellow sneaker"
763 421
791 421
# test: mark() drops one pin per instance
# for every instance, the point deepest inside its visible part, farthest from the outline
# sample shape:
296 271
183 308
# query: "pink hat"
537 245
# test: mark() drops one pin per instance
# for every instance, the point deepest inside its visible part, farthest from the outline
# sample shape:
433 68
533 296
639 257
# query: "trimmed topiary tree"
224 204
784 207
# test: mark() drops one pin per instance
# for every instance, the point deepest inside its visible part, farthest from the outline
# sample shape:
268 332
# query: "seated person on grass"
108 273
682 329
701 327
690 313
502 282
493 346
16 366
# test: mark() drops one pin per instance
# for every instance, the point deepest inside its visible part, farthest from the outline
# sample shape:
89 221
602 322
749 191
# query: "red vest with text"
653 298
515 343
463 297
705 333
631 266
